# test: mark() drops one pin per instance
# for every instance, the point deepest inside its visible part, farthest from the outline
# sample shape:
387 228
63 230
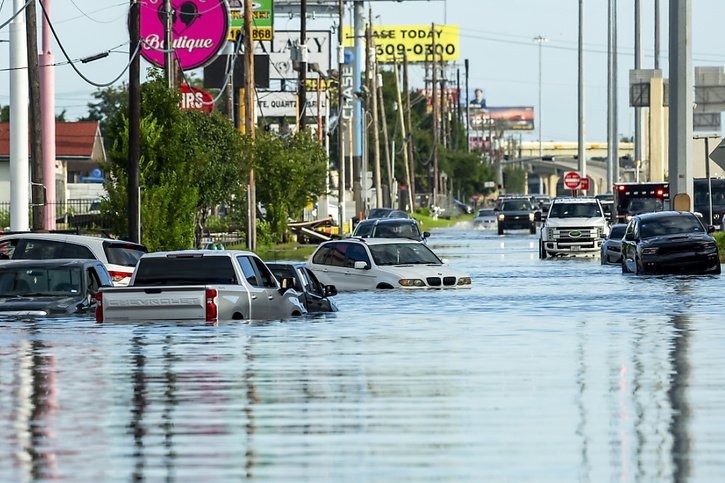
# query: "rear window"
124 254
197 270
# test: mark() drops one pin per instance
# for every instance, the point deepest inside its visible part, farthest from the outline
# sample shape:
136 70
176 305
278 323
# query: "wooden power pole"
36 146
434 100
249 121
134 125
409 129
386 141
373 108
405 138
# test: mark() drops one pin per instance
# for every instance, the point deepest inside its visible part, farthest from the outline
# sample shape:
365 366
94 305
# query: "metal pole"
373 96
681 89
302 88
408 174
709 180
434 100
19 179
386 146
540 40
134 125
409 132
615 96
581 148
611 134
342 119
657 34
468 112
47 111
359 28
638 152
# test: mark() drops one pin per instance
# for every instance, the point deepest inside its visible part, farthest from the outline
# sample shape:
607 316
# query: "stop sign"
572 180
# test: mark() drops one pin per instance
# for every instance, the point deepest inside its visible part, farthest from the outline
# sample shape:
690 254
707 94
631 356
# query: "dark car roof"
62 262
663 214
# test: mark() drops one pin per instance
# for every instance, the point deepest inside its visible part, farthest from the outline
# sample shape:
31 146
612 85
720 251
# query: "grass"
720 239
427 222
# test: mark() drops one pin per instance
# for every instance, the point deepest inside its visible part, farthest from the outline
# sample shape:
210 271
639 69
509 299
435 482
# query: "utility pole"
340 115
47 111
581 149
540 39
358 118
19 182
134 125
36 136
302 87
468 112
638 151
169 45
409 130
373 105
404 136
249 121
657 34
386 145
434 100
611 87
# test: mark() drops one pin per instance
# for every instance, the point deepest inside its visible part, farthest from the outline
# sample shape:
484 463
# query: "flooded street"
555 370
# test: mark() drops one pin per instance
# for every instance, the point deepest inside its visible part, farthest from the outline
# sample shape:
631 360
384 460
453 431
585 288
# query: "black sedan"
612 246
669 242
316 297
50 287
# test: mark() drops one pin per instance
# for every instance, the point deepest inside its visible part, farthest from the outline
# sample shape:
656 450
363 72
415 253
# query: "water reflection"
544 371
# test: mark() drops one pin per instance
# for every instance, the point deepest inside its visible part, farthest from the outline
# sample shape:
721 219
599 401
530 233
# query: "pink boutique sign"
199 31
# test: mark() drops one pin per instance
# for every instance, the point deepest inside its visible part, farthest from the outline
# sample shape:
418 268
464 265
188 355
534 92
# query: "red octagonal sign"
572 180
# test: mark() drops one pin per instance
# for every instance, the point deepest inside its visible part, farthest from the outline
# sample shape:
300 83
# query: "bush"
720 239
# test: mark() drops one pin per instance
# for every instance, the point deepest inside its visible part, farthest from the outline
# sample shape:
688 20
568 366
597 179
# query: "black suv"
517 213
390 228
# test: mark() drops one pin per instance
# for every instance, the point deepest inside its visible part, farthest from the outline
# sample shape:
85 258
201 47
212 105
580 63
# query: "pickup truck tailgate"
154 303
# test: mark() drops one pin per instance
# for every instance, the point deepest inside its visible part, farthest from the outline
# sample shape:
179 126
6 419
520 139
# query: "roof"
62 262
375 241
197 253
663 214
583 199
72 139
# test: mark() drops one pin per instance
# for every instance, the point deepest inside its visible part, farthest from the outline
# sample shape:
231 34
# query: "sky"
495 35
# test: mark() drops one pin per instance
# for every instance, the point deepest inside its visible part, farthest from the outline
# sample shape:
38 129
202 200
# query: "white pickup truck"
574 226
210 285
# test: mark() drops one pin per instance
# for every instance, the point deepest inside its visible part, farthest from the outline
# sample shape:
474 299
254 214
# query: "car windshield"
486 212
635 206
617 232
670 225
516 205
397 230
17 282
403 254
575 210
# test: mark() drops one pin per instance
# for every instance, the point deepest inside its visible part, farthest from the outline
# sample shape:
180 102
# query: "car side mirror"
360 265
426 234
711 228
286 284
330 290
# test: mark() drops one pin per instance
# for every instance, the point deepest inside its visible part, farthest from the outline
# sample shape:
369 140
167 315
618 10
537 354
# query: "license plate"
575 248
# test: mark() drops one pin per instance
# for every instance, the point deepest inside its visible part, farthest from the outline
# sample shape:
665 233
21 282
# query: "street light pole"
540 40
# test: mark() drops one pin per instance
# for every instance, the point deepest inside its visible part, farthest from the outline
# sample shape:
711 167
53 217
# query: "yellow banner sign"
415 41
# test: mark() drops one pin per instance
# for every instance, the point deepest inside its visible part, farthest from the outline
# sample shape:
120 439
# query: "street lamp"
540 40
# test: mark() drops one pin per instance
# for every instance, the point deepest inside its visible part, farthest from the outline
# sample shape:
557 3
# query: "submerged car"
669 242
386 213
390 228
517 213
316 297
485 219
381 263
612 246
50 287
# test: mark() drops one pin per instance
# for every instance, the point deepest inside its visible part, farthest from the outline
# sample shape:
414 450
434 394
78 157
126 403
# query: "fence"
71 215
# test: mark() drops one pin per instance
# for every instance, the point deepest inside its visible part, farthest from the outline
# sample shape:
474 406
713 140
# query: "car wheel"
542 250
532 229
500 229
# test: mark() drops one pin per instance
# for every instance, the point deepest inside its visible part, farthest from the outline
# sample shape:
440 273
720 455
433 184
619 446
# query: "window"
266 276
93 281
356 253
248 270
364 229
72 250
194 270
313 285
321 255
336 255
126 254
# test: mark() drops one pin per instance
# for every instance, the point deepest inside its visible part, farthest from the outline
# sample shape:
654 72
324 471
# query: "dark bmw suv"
669 242
517 213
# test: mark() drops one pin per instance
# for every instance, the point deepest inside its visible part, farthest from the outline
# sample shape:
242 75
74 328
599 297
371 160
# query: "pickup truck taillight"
212 311
99 308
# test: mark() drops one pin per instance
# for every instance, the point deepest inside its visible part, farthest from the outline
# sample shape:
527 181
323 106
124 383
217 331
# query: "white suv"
573 226
381 263
119 257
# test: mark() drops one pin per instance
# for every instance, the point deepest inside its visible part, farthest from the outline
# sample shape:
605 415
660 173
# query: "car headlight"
501 217
411 282
464 281
649 251
531 217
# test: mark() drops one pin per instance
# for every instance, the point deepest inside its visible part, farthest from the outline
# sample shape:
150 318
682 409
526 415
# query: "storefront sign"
415 41
280 49
262 17
284 104
194 98
199 31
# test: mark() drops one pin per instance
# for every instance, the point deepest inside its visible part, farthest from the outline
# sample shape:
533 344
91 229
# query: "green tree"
514 179
289 174
109 101
4 113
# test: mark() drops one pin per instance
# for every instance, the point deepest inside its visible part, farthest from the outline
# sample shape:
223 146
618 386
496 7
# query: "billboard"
450 95
415 41
262 16
515 118
279 49
284 104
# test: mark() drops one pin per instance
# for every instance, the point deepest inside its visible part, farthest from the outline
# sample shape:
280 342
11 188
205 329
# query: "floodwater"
555 370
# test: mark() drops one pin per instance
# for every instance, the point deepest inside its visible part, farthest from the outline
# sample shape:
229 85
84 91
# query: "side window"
93 280
336 257
321 255
365 229
248 270
39 250
7 249
313 285
103 278
268 280
71 250
356 253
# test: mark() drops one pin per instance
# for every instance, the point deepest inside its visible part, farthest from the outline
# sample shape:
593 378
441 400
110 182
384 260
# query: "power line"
84 14
15 14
